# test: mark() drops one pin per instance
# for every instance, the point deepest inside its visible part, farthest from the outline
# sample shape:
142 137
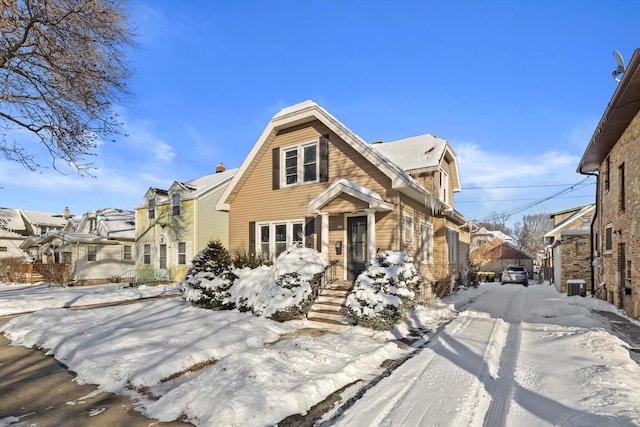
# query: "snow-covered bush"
208 281
383 292
282 291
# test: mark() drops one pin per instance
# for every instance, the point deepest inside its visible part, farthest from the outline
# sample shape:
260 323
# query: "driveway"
37 390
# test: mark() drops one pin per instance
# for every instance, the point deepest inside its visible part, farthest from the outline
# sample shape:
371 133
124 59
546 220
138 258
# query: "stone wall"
575 255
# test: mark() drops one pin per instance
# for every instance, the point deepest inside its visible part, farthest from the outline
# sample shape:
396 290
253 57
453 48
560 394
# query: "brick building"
613 155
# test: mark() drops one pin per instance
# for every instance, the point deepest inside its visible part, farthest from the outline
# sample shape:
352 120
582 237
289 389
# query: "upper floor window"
175 204
4 248
92 253
586 222
444 186
43 230
300 164
151 208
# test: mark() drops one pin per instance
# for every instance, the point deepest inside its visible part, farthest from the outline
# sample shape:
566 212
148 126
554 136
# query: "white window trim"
407 232
426 245
604 241
144 246
96 253
178 205
132 257
272 234
300 163
444 186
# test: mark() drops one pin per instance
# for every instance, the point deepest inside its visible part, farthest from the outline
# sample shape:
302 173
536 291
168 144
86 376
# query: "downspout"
596 216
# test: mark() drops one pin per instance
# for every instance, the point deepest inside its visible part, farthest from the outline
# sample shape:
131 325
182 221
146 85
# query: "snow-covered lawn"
24 298
232 368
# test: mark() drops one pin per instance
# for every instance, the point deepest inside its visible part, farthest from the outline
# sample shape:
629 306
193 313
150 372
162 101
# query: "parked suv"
515 274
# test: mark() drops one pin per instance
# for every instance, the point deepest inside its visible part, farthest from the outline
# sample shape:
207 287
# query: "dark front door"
622 272
356 246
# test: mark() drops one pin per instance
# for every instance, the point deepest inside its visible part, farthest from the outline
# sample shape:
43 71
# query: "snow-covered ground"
506 355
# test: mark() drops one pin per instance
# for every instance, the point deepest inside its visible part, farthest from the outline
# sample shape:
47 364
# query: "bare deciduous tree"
531 230
62 69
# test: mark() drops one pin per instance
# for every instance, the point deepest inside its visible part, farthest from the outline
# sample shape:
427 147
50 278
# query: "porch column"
371 232
324 236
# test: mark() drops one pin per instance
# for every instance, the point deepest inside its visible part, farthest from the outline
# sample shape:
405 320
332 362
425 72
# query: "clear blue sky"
516 87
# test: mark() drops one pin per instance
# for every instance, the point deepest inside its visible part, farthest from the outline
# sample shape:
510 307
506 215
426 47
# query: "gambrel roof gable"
306 112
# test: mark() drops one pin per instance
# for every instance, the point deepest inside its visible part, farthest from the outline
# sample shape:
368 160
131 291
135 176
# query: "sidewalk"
624 329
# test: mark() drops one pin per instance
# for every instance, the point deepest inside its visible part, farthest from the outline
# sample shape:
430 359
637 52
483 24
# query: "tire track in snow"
496 415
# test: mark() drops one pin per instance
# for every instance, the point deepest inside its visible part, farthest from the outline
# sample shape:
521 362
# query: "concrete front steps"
327 312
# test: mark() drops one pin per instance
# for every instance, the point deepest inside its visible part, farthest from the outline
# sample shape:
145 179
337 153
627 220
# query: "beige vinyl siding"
211 224
256 201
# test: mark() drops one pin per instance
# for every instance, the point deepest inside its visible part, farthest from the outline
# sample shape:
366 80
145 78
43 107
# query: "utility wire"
510 212
521 186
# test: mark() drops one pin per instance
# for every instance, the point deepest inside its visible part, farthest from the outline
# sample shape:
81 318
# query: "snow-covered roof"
70 237
111 223
44 218
11 220
194 188
308 111
374 199
416 152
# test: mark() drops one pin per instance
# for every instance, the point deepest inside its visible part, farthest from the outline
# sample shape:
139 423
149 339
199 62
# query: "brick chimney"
220 168
66 213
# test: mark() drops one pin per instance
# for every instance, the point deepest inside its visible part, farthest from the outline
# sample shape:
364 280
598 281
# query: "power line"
520 200
521 186
510 212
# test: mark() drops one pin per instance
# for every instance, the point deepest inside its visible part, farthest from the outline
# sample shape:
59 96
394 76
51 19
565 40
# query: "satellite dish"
620 68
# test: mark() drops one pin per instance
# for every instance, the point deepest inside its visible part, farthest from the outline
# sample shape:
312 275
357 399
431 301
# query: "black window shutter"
309 225
324 158
275 177
252 238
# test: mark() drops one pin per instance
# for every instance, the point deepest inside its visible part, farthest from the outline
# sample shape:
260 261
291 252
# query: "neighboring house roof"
309 111
580 212
420 153
482 231
110 223
194 188
623 107
68 237
11 220
44 218
498 249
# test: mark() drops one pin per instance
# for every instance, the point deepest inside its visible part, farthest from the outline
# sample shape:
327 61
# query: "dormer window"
444 186
151 208
175 204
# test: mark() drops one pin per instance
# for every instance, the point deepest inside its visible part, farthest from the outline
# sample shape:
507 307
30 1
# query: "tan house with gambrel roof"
311 181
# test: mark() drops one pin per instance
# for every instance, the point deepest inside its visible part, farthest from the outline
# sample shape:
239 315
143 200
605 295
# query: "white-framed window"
608 238
300 164
43 230
92 253
408 229
4 249
146 254
275 237
444 186
452 243
127 253
175 204
426 242
182 253
151 208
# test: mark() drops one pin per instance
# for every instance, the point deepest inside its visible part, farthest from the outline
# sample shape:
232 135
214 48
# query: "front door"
356 246
163 274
